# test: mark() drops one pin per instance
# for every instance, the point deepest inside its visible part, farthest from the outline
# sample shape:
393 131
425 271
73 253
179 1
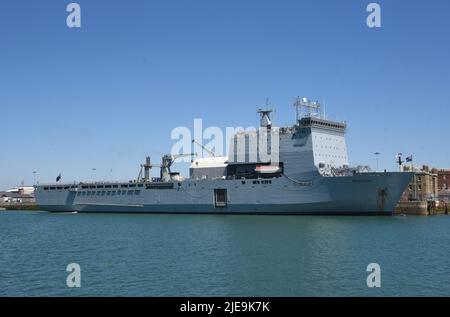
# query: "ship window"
45 188
100 186
107 186
124 186
113 193
79 193
137 192
84 187
140 185
98 193
59 188
84 193
243 182
108 193
91 186
132 185
130 192
66 187
118 192
124 192
115 186
103 193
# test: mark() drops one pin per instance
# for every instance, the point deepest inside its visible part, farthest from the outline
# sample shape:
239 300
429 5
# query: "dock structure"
17 206
421 196
422 208
17 200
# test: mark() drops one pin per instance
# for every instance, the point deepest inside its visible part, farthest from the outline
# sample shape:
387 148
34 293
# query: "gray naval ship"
304 170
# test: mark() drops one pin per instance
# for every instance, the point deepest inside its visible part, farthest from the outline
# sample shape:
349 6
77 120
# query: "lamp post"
376 156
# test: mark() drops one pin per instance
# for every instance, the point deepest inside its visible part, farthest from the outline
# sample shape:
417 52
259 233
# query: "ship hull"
360 194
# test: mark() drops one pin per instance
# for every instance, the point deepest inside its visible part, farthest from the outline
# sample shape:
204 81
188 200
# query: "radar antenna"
306 108
265 120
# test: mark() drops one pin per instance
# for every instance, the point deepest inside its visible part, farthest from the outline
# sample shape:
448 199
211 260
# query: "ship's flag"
58 178
409 158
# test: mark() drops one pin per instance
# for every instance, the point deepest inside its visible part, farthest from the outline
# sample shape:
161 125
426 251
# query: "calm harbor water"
217 255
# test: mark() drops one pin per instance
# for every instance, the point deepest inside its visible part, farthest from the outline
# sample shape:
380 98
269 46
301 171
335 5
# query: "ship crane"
204 148
147 166
167 161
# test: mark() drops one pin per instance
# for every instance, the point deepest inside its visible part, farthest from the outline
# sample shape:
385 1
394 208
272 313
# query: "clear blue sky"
109 93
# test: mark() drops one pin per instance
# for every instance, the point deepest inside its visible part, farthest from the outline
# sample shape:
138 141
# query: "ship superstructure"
301 169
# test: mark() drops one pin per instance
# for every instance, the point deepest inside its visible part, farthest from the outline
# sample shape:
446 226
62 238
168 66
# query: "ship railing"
105 182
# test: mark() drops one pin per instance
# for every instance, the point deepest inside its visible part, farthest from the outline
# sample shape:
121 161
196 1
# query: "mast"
306 108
